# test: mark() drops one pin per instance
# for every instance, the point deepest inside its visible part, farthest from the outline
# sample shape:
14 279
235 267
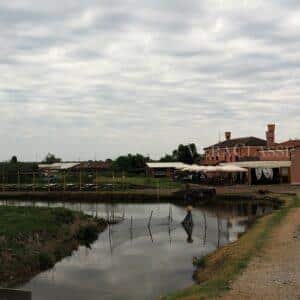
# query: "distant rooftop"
244 141
58 166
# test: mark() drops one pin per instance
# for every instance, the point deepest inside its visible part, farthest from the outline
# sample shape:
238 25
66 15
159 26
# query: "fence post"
19 181
96 180
64 181
33 181
48 176
80 179
3 188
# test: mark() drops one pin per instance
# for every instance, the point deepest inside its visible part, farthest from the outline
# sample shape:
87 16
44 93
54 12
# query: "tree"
14 160
187 154
131 163
50 159
168 158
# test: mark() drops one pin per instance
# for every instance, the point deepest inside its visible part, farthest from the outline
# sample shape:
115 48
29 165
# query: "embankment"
34 239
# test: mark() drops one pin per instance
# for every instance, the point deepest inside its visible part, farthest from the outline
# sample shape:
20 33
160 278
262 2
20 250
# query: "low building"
162 169
265 172
93 166
56 167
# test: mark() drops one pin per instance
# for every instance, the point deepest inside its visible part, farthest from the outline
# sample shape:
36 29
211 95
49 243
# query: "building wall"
274 155
295 169
217 155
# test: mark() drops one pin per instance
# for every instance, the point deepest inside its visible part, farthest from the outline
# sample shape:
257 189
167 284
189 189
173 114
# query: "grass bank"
217 270
34 239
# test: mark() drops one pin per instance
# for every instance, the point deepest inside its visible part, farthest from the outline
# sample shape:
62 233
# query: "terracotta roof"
244 141
289 144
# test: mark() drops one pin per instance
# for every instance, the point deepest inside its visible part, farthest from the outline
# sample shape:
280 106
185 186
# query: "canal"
141 257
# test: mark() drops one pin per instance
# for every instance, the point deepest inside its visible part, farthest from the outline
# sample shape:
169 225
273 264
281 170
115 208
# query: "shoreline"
196 194
216 271
30 253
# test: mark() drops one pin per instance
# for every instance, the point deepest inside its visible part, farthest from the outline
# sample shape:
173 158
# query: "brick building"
233 150
259 156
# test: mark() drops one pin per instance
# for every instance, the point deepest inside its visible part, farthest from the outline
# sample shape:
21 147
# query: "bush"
64 216
88 233
61 252
199 262
46 261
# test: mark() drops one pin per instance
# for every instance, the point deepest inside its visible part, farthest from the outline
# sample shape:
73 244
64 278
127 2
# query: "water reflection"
132 260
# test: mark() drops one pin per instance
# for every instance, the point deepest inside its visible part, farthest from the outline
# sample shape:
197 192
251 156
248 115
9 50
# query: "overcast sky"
97 78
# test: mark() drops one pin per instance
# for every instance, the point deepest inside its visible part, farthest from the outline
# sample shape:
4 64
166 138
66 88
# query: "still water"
131 260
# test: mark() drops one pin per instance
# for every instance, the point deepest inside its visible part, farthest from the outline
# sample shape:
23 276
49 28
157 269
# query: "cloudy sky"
99 78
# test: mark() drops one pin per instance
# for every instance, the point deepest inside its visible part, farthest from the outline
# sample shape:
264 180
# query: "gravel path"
275 274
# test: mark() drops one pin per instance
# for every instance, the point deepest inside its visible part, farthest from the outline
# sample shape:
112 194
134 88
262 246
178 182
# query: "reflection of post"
150 219
219 229
205 228
170 238
110 238
131 229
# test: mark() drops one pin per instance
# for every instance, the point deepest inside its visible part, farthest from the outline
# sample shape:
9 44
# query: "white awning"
261 164
58 166
207 169
165 165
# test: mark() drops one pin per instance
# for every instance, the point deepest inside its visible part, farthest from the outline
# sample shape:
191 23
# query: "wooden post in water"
131 229
150 219
205 228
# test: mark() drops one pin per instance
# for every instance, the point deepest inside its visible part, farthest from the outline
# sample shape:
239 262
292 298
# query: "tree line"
132 163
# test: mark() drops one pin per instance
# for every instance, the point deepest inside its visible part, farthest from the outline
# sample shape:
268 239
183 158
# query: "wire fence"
79 181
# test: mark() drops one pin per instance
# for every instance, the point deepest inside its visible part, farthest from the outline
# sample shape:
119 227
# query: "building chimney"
270 135
227 135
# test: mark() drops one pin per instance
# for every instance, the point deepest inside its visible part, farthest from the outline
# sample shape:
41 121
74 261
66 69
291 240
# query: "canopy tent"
208 169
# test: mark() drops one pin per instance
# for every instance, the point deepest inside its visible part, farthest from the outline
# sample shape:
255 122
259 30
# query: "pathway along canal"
133 261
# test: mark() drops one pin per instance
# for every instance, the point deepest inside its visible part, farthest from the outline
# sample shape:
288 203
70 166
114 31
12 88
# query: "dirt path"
275 274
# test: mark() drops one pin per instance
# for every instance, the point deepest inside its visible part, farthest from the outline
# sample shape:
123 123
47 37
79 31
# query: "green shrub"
64 216
199 262
46 261
88 233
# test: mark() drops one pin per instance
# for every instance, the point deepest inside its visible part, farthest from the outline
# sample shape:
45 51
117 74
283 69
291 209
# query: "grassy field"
141 181
33 239
217 270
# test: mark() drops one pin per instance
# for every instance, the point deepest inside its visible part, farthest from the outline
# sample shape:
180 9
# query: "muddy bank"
34 239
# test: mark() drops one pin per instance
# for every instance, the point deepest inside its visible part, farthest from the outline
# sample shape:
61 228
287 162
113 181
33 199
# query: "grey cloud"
108 73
